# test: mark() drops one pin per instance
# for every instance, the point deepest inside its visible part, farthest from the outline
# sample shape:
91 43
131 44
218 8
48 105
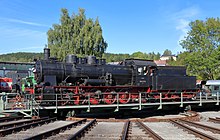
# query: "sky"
128 25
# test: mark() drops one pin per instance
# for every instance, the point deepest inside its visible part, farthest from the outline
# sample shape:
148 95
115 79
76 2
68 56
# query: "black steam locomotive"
77 78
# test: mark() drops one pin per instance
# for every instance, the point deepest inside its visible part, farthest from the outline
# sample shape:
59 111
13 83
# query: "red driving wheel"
109 97
124 97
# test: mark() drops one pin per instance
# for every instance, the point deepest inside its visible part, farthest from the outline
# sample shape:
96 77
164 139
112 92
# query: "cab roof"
213 82
140 62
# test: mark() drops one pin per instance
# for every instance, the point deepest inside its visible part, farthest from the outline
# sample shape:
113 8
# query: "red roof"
161 62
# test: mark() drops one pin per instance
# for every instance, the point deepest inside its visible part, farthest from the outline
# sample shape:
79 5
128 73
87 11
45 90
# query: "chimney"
46 53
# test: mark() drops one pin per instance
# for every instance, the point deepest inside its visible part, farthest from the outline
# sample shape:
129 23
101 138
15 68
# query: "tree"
21 57
138 55
157 56
76 35
167 52
202 46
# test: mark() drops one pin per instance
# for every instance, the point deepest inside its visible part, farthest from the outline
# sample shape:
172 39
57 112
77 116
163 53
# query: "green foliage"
202 46
149 56
179 61
110 57
20 57
76 35
167 52
138 55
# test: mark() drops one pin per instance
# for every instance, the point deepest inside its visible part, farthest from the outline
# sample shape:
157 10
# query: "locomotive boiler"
77 78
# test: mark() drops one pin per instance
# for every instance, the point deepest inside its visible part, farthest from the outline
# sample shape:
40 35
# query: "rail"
215 120
6 119
193 131
79 133
125 130
202 126
14 124
25 126
154 135
54 131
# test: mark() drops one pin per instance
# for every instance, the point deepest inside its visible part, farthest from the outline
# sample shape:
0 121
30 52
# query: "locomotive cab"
142 71
145 75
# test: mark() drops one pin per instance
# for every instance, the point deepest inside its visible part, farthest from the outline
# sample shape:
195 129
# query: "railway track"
52 129
152 134
194 131
125 130
202 126
25 126
21 122
83 130
6 119
215 120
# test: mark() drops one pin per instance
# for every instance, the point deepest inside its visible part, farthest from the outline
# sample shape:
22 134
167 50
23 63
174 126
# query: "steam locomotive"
81 80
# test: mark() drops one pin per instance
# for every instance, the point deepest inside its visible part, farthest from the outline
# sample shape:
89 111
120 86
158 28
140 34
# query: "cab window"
140 71
216 87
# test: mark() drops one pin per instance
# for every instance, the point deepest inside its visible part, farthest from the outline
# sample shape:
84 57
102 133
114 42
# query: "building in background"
168 57
13 69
